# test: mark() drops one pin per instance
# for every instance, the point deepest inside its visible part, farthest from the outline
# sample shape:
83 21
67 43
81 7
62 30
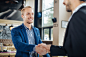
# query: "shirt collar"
28 28
81 5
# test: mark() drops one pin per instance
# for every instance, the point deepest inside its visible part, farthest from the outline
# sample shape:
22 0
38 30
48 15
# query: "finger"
44 46
40 53
48 51
39 45
43 43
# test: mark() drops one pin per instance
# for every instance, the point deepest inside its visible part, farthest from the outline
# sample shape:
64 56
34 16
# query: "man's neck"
28 26
76 5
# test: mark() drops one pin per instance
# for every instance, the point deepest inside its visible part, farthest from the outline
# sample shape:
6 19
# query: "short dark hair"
82 0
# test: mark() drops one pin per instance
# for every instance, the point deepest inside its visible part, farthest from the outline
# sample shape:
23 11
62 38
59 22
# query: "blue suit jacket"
21 43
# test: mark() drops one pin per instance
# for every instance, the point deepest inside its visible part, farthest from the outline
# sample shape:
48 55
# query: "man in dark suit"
75 37
26 37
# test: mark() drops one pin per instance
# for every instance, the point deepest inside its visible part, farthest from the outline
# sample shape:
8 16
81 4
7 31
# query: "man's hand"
42 49
47 47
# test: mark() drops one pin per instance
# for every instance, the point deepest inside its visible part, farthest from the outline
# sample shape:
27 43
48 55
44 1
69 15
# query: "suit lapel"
35 36
66 34
23 30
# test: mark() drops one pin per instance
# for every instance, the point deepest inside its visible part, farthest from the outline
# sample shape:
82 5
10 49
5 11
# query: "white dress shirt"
81 5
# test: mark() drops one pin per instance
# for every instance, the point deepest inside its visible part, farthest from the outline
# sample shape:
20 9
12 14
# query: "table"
7 54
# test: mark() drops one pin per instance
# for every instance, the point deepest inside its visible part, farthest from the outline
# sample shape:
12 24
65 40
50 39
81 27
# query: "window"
47 15
47 12
47 4
46 34
45 24
52 34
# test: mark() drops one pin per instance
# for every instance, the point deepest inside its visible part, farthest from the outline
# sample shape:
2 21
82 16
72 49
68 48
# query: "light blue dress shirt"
31 39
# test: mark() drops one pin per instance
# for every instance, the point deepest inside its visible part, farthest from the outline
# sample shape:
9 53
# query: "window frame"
49 31
46 27
38 21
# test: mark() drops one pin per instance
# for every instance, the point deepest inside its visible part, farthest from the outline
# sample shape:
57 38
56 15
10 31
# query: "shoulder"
17 28
81 12
80 15
35 28
79 18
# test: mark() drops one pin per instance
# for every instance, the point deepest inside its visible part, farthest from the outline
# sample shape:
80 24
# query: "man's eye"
32 13
28 14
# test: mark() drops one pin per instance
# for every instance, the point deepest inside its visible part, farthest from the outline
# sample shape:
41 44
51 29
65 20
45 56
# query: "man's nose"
64 2
31 15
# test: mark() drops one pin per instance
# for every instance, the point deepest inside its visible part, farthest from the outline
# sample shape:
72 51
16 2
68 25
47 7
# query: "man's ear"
22 16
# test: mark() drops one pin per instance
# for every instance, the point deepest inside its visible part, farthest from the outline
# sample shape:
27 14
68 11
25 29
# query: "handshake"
42 49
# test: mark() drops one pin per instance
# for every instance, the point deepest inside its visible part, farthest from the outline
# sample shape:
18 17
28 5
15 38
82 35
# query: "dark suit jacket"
21 43
75 37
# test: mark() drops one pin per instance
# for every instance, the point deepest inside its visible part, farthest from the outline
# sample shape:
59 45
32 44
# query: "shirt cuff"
34 48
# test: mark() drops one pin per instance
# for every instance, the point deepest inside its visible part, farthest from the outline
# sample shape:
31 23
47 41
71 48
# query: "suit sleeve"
57 51
47 55
19 45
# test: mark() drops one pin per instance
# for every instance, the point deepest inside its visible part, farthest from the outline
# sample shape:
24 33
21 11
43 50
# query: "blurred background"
44 11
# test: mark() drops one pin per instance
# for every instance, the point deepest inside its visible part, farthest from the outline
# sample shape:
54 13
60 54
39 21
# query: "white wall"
30 3
61 14
39 5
